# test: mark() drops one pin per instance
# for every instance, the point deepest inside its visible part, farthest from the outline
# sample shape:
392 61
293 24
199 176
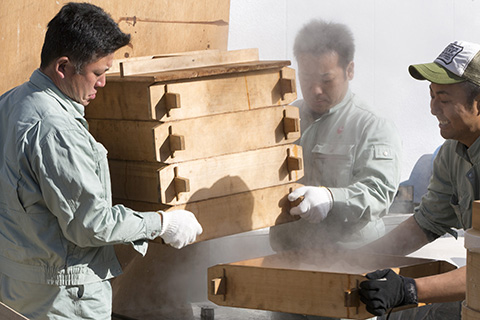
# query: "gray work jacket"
57 223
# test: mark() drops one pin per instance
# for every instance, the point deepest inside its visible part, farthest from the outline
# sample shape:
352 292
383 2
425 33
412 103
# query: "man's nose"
101 81
316 88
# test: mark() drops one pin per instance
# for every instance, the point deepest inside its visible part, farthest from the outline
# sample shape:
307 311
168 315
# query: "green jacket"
357 155
57 223
453 187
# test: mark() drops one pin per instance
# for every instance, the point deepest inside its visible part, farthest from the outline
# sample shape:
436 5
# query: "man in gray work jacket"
351 156
57 222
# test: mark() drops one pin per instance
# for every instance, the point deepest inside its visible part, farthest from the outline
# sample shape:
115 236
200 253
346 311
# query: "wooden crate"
197 138
206 178
193 93
156 26
313 283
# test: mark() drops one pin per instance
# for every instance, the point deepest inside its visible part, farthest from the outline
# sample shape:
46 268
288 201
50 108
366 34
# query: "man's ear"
350 70
476 104
61 67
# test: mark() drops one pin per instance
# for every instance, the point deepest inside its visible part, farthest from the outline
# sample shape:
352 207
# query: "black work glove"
385 289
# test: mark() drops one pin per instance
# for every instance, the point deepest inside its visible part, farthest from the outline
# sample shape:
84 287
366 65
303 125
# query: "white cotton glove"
179 228
317 202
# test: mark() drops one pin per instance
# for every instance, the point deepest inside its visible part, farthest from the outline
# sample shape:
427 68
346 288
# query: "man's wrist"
410 290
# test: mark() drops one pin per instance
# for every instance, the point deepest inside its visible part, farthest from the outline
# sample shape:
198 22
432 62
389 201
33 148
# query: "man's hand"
316 204
385 289
179 228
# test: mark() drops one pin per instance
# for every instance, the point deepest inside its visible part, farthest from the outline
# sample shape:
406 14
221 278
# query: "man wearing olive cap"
455 184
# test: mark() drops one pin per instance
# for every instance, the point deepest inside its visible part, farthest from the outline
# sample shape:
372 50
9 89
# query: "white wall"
390 35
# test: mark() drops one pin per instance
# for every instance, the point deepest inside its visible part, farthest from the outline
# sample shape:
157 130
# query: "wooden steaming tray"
322 284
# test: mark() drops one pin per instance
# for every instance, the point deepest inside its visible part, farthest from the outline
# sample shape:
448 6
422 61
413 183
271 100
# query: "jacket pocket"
333 164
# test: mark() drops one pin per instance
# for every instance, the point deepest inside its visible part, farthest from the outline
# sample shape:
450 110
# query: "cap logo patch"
449 53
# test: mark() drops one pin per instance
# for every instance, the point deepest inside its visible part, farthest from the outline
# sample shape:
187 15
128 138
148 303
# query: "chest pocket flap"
383 152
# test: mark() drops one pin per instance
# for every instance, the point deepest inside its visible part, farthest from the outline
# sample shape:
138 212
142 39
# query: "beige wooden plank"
206 178
230 174
156 26
187 61
232 214
135 180
476 215
201 137
313 283
115 69
236 92
7 313
121 100
126 140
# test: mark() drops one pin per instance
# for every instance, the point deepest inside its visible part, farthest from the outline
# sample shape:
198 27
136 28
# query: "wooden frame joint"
181 184
291 126
172 100
177 143
287 85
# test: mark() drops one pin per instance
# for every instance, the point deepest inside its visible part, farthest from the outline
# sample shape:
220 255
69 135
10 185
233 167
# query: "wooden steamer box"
312 283
182 132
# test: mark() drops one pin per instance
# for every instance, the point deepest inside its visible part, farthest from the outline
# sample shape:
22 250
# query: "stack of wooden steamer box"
208 131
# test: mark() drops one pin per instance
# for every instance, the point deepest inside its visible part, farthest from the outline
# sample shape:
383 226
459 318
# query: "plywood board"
206 178
156 26
241 212
229 91
312 283
197 138
187 61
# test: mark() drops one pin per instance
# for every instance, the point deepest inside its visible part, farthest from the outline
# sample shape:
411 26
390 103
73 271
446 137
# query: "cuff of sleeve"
338 197
410 289
153 226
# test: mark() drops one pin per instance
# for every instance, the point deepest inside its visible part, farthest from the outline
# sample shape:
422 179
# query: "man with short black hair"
57 222
455 100
351 155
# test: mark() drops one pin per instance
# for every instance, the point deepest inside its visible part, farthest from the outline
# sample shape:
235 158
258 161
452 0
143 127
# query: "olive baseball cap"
458 62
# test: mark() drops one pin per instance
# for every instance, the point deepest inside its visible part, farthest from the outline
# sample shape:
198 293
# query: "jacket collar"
44 83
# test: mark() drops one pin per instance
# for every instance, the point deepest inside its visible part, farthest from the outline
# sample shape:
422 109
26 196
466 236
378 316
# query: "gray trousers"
46 302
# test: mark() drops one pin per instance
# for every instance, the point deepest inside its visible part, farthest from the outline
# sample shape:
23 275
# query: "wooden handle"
296 202
287 86
294 163
172 100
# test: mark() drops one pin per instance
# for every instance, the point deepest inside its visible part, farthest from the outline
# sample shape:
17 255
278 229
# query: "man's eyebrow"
439 92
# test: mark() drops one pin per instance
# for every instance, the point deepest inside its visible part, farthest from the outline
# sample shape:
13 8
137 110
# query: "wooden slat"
196 138
115 69
236 92
188 61
7 313
135 100
208 178
232 214
476 215
312 283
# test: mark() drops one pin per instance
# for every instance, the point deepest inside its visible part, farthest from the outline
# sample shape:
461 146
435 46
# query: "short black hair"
318 37
472 91
82 32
